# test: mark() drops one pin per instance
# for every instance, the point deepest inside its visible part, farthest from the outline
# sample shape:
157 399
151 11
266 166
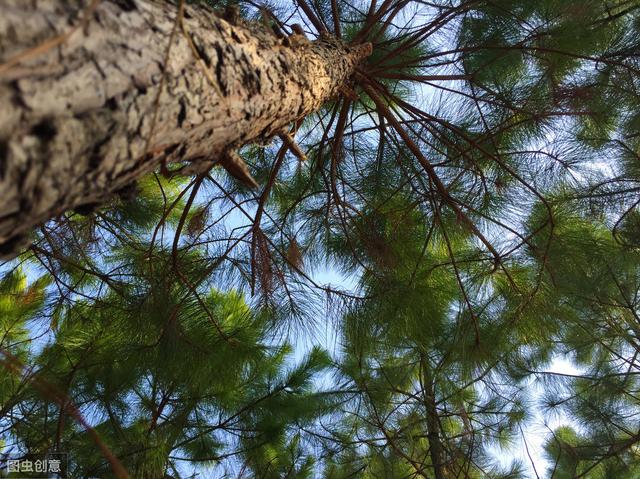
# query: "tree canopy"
474 184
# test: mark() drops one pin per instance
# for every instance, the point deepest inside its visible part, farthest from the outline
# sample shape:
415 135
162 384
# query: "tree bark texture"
83 118
436 450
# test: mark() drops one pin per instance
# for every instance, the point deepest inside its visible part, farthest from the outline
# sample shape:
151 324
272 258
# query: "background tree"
165 374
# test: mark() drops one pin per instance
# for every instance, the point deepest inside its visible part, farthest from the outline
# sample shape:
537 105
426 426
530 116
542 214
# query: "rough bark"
76 119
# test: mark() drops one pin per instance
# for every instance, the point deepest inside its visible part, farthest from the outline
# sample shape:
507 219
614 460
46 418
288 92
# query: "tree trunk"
433 422
84 117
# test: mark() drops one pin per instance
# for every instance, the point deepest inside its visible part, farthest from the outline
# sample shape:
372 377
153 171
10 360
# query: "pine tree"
475 175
